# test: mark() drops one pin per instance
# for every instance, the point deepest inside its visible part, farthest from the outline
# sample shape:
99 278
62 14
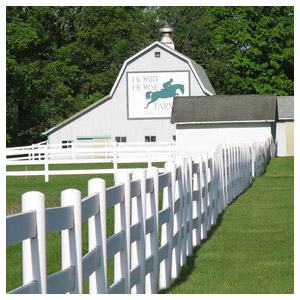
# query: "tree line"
59 60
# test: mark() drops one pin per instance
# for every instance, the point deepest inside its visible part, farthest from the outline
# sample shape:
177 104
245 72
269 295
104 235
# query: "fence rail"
194 193
101 151
85 153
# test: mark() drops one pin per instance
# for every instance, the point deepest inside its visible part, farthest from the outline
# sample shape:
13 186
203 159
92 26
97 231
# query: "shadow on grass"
187 269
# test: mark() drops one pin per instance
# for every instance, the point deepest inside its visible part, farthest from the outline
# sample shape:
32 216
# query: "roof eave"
223 122
285 119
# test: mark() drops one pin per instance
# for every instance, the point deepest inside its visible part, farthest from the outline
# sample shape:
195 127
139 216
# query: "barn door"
102 144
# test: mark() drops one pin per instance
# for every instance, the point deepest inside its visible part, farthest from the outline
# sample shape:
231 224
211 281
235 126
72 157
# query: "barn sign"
150 94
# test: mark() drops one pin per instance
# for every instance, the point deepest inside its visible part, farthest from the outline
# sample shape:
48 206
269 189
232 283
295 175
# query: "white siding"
281 138
215 134
110 118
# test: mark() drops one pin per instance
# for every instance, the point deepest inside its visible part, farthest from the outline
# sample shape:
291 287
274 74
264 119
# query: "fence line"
193 195
75 153
97 151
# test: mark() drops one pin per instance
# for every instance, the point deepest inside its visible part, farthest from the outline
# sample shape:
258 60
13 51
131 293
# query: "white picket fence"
194 194
86 153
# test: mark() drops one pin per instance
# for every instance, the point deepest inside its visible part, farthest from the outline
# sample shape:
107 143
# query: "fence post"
122 223
227 165
151 284
71 239
204 199
210 189
149 161
222 172
97 237
73 150
138 215
197 204
253 152
34 250
115 162
173 150
225 172
241 168
32 152
208 168
215 187
218 172
249 162
171 167
244 160
234 169
182 162
167 234
46 164
229 177
189 179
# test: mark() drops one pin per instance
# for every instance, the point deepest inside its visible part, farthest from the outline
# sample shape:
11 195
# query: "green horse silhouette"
167 92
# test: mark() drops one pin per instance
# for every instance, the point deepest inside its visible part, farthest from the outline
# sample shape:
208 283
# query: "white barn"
210 121
139 105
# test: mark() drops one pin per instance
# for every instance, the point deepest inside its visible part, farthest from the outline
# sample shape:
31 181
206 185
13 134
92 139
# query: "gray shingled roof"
236 108
200 72
285 107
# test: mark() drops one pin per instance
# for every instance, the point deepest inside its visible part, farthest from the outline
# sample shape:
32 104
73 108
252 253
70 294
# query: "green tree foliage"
258 46
62 59
243 49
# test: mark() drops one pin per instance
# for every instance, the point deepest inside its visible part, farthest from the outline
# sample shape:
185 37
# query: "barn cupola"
167 36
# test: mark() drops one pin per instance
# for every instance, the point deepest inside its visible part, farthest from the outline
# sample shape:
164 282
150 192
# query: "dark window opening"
150 138
121 139
157 54
67 144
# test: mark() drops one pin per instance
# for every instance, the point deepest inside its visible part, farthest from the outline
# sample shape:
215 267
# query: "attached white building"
285 126
139 105
210 121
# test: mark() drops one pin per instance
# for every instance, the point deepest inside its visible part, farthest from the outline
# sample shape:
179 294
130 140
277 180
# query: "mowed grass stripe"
251 250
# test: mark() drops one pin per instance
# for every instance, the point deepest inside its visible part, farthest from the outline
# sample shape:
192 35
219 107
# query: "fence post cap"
96 180
32 193
70 191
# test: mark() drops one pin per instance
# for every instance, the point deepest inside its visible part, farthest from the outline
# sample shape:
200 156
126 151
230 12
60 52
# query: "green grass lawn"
18 185
251 250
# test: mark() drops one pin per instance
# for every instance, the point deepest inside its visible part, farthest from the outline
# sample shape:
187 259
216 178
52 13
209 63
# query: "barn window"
121 139
174 138
157 54
150 138
66 144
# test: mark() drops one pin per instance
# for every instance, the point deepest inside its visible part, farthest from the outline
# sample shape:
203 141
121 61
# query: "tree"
243 49
33 35
256 45
61 59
